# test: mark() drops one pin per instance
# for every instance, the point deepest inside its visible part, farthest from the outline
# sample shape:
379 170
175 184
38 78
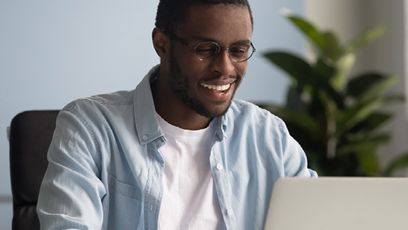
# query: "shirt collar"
147 126
148 129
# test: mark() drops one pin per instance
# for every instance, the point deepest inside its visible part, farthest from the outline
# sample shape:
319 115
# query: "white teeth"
217 87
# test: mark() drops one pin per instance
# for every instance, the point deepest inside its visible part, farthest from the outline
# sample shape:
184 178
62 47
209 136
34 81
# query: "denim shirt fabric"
105 170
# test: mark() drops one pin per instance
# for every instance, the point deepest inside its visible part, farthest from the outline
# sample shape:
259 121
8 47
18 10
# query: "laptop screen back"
339 203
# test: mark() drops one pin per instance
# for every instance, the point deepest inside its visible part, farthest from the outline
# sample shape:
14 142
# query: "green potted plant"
333 116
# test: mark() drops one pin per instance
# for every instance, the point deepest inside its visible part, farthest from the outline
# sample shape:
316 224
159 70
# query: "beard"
179 84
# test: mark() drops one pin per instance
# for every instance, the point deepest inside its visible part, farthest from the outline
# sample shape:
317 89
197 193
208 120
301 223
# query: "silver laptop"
339 203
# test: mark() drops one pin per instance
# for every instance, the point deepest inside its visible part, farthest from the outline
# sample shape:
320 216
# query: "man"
177 152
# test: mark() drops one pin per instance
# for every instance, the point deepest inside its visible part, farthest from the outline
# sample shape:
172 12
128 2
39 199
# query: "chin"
217 112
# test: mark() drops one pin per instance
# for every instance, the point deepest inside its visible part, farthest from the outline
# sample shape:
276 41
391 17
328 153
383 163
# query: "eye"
206 49
239 50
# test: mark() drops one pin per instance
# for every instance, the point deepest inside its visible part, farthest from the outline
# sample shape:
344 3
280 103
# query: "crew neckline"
178 132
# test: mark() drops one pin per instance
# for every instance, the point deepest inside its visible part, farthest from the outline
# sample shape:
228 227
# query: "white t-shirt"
189 199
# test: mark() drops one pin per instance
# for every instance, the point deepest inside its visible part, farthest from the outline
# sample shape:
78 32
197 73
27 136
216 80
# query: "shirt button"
219 166
144 137
229 212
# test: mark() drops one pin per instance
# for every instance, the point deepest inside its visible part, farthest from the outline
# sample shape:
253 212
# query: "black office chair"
30 136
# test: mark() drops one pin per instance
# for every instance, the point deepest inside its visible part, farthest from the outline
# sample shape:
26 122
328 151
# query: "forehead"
219 22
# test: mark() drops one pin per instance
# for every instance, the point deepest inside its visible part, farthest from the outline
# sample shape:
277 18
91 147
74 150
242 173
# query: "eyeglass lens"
208 50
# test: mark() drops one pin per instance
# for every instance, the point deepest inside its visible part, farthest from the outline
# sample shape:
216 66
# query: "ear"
161 42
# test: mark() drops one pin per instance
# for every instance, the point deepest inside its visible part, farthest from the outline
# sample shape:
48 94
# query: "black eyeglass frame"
182 41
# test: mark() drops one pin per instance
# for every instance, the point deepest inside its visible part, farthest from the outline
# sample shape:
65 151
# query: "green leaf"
358 85
365 38
377 88
303 73
330 112
334 95
359 143
352 116
399 163
296 67
309 30
294 98
393 98
343 66
368 162
331 48
371 122
324 70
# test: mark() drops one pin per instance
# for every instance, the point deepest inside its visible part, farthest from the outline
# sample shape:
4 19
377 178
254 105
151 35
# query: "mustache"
224 78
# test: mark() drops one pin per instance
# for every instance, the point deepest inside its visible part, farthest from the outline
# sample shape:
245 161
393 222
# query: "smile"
217 87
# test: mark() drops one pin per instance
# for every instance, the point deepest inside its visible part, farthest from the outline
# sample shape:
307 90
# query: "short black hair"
171 13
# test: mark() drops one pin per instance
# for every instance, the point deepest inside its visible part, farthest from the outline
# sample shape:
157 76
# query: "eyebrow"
242 42
205 39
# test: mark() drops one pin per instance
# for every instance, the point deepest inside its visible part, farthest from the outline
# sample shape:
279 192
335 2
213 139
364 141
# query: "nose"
222 64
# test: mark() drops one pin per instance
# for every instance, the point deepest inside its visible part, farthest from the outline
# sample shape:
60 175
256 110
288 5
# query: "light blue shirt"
105 170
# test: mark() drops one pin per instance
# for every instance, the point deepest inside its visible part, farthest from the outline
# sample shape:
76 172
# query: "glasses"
209 50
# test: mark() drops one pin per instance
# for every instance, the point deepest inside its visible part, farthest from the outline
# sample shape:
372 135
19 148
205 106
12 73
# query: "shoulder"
250 113
98 111
109 101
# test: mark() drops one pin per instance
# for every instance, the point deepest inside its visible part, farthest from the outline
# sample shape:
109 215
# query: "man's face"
208 86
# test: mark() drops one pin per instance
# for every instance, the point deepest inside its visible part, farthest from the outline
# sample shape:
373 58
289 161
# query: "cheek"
193 68
241 68
240 71
185 56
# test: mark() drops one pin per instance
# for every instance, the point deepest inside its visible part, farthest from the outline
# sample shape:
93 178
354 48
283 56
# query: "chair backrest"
30 136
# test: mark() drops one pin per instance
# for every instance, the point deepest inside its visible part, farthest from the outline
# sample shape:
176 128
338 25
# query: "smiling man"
178 152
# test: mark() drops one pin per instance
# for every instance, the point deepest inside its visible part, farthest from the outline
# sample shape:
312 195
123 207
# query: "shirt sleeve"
295 160
71 191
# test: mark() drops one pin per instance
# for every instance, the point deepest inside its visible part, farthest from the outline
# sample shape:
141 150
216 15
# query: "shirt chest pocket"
122 205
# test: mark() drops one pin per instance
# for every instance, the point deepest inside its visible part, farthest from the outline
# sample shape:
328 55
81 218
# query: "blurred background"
53 52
